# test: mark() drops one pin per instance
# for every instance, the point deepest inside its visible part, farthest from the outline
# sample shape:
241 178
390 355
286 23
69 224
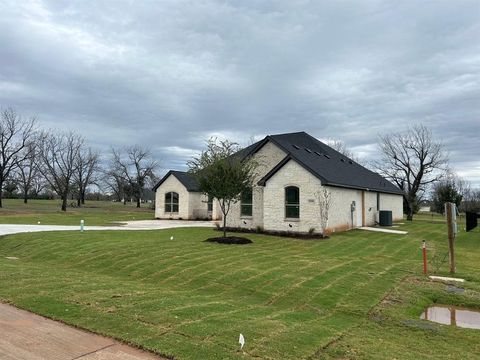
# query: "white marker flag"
241 341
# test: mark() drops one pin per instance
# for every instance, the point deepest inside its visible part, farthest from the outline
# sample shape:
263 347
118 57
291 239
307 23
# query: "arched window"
246 201
292 202
171 202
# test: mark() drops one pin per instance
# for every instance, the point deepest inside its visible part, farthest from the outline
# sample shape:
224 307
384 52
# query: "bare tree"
341 147
58 155
27 173
412 160
114 182
86 170
324 199
134 165
16 134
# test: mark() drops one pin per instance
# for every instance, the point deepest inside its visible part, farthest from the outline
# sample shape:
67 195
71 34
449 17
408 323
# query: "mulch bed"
230 240
288 234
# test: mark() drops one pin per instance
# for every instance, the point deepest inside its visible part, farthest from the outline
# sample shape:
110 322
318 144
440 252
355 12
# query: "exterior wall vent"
327 156
308 150
296 146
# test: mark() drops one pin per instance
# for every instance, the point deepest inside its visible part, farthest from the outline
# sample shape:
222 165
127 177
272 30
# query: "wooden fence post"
450 212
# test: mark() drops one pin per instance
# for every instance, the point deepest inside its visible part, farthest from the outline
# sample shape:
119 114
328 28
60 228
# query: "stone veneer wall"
172 184
340 215
267 157
269 201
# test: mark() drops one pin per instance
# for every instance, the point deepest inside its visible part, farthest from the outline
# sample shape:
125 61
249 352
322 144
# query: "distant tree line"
39 163
417 163
36 163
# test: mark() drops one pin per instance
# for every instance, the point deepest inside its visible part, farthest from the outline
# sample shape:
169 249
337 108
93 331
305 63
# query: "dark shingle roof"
187 179
327 164
330 166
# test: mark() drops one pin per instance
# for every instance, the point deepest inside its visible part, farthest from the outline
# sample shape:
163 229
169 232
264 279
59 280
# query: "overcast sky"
169 74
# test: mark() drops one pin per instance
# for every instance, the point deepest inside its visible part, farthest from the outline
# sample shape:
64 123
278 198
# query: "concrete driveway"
26 336
6 229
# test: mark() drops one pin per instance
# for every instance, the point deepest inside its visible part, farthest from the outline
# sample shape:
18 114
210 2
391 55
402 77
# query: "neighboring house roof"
327 164
187 180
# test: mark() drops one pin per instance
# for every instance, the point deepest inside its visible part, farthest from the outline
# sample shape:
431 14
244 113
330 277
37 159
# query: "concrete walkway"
383 230
6 229
26 336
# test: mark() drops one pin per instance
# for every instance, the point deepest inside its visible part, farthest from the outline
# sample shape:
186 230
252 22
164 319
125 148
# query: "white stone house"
292 168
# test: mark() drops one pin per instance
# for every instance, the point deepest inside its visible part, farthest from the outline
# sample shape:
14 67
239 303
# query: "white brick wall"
198 205
394 203
269 201
340 215
267 157
172 184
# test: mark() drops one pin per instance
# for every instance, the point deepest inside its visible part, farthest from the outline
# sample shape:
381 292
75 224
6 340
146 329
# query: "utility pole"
450 211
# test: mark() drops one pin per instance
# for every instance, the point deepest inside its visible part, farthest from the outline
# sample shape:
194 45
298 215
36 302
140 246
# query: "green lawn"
48 212
357 295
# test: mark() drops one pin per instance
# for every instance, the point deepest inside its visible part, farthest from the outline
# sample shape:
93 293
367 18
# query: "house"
293 167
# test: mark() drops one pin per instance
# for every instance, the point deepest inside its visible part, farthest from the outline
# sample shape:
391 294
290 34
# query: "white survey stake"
241 341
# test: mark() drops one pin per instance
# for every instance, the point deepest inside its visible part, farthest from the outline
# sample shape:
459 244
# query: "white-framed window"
246 203
171 202
292 202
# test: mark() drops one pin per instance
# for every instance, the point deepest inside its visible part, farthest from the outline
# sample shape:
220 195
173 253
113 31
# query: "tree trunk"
410 215
1 194
83 197
124 201
410 208
79 203
224 221
138 202
64 202
25 197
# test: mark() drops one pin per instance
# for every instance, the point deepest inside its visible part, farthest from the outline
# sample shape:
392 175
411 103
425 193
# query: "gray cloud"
171 73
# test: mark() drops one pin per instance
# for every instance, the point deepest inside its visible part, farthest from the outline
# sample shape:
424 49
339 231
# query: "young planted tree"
222 175
58 158
412 160
86 170
16 135
134 166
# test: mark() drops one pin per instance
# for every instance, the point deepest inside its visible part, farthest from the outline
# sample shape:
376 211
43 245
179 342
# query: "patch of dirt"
231 240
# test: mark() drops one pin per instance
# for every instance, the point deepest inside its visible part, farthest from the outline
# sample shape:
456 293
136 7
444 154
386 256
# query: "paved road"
26 336
6 229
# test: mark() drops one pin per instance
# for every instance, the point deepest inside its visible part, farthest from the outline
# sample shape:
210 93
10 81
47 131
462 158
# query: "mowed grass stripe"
191 299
